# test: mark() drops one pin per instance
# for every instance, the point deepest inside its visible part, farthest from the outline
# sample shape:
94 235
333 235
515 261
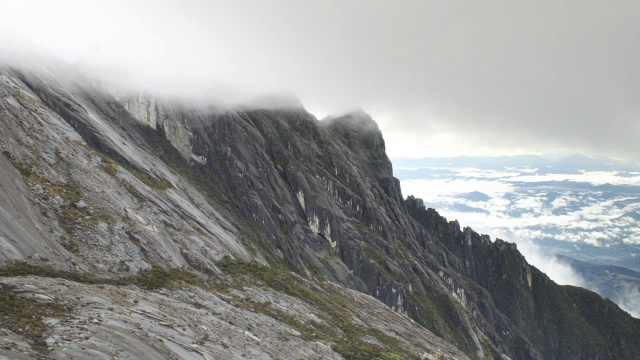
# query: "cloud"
629 300
444 188
440 77
561 201
557 270
590 177
484 174
529 211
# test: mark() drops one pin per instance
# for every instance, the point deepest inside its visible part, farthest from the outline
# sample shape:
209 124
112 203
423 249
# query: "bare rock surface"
112 220
23 233
297 226
126 322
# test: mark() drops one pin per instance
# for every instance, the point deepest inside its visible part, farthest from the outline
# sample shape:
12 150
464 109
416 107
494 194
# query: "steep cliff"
121 186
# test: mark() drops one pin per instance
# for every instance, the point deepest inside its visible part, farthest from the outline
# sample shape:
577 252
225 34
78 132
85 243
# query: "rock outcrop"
118 186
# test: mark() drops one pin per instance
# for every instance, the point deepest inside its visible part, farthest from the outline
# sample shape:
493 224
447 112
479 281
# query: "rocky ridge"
116 186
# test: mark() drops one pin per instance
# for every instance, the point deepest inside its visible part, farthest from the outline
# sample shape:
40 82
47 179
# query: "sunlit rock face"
116 186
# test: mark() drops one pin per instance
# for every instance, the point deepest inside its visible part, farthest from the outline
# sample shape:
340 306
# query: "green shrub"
153 278
158 277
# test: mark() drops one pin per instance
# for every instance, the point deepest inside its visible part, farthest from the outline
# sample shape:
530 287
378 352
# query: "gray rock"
58 201
138 324
80 205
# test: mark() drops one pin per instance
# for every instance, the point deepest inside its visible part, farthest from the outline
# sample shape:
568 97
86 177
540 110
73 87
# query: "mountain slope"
617 283
131 183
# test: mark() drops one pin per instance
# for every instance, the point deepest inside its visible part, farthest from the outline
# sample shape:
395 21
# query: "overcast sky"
441 77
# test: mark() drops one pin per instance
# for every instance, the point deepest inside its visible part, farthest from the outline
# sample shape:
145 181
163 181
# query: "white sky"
441 77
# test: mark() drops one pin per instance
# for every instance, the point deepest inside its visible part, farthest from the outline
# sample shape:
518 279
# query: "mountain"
585 208
482 162
617 283
143 227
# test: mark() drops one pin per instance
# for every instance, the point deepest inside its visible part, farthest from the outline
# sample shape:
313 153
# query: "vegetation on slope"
347 337
26 316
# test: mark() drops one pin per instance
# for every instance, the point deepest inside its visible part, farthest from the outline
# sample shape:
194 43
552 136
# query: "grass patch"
51 190
110 166
24 169
25 316
336 307
155 183
153 278
71 246
347 337
21 268
158 277
68 215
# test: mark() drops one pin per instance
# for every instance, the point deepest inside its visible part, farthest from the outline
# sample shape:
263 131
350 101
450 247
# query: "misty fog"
441 78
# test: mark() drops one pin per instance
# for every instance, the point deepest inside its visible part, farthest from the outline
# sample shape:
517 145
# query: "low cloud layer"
629 300
548 208
441 78
579 212
557 270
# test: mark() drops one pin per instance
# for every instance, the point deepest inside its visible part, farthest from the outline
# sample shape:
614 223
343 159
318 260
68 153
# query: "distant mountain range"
562 165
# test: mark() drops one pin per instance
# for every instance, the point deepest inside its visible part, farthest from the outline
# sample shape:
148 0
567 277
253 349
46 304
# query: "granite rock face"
23 231
116 185
190 323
